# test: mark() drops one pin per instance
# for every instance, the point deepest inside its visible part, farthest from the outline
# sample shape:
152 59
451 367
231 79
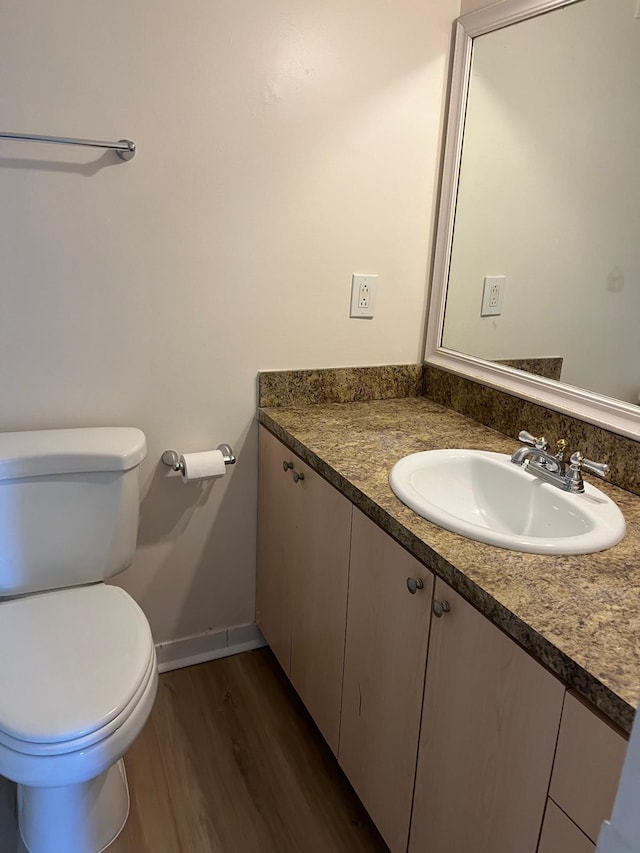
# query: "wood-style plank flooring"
230 762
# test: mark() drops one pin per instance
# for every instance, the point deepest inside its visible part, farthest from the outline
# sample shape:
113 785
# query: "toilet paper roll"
202 466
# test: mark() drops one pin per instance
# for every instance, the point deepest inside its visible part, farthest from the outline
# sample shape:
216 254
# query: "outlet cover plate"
363 295
492 295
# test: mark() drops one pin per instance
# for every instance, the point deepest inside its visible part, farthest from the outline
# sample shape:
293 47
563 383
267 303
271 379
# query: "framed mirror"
536 283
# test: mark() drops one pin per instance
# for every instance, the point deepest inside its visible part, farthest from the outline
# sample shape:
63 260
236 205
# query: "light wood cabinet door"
275 546
304 532
489 727
319 599
587 767
384 669
561 835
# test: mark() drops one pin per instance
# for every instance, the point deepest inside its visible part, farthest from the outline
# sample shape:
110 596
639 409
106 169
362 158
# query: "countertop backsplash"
488 406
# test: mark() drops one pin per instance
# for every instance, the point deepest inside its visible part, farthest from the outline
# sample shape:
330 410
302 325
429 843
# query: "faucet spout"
539 457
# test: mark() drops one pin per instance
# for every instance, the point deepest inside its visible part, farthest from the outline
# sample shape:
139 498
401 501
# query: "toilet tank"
69 506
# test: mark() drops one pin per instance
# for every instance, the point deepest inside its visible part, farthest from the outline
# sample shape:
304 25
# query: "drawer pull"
414 584
440 607
286 466
297 476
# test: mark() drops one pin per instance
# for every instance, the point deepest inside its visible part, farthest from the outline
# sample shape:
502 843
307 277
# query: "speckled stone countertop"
578 615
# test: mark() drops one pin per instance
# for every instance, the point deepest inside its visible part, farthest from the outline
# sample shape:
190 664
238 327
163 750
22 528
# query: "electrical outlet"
363 295
492 295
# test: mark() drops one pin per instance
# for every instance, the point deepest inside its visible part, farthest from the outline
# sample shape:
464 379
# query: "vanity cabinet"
586 770
304 531
388 676
489 728
385 656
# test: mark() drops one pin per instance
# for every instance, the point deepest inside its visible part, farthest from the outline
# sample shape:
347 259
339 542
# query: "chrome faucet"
537 449
536 459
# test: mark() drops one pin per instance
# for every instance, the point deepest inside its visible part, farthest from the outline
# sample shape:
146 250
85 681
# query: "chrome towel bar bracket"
171 458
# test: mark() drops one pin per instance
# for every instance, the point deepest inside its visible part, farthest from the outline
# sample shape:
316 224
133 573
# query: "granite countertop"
578 615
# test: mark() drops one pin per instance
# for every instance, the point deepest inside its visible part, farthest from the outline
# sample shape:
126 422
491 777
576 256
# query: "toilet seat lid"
71 661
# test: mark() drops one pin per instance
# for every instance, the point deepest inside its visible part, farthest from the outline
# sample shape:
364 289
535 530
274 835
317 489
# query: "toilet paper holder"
172 457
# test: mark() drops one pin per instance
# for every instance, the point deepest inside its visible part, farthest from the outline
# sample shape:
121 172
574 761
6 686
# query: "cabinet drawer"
587 766
561 835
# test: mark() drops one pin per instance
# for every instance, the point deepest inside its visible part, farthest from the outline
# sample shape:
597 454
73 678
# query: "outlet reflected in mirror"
541 186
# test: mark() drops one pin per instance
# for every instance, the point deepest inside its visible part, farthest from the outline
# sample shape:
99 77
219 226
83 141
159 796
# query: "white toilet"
78 672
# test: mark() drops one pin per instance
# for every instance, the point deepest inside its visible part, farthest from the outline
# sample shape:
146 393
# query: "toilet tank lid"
37 453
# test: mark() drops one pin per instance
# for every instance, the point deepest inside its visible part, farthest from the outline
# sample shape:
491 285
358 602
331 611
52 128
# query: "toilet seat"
80 660
75 744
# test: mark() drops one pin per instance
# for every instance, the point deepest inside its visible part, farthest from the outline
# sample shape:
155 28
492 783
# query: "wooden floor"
230 762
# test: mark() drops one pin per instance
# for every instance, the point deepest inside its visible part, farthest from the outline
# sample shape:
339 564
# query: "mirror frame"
607 412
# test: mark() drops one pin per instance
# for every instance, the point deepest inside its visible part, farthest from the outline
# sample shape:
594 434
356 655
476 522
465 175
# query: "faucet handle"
598 468
539 443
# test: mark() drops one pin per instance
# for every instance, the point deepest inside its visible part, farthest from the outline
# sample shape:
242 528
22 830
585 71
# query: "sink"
484 496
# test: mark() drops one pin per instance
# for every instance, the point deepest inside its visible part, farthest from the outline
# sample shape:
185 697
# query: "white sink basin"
484 496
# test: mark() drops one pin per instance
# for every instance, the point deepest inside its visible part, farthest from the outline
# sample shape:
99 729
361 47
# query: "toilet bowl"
76 690
78 674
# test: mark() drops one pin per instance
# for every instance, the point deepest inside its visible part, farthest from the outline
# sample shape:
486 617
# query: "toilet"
78 673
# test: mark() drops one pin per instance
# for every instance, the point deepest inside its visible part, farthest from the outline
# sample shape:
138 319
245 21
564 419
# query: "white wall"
281 147
549 194
467 6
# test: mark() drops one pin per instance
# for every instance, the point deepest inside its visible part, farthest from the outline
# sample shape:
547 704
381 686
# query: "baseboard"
199 648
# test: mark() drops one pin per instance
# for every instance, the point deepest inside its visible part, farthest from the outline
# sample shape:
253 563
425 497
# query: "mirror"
540 208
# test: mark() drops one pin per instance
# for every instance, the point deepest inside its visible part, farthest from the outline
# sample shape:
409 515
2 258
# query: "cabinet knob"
440 607
414 584
286 465
297 476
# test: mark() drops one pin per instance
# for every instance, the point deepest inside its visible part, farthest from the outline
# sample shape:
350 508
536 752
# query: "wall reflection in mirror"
549 198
